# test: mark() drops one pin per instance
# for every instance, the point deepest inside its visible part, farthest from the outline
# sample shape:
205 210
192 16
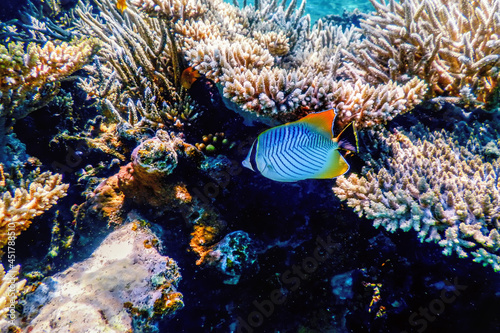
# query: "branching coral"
446 192
136 75
30 79
267 59
172 9
295 73
10 288
453 45
28 201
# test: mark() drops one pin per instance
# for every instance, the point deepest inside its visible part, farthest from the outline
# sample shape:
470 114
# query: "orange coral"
17 212
30 79
108 200
202 240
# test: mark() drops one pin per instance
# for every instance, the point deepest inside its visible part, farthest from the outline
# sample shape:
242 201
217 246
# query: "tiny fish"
121 5
203 90
189 76
304 149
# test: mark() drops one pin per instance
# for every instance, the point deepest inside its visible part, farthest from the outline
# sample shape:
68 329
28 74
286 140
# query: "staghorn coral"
28 201
30 79
136 75
292 76
10 288
276 42
268 61
453 45
445 191
362 102
172 9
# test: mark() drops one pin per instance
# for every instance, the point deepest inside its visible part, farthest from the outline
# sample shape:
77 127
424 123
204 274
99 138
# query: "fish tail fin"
348 139
336 166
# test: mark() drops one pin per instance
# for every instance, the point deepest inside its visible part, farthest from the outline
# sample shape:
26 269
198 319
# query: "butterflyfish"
121 5
304 149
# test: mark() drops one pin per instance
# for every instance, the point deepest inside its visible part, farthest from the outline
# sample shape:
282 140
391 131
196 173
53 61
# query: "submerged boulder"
125 286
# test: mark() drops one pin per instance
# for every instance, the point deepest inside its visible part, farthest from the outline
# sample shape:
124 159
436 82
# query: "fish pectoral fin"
267 168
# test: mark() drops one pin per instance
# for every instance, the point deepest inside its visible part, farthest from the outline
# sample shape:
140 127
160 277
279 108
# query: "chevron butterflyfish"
304 149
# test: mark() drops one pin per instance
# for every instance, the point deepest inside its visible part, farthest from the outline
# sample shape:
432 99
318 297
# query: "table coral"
124 286
453 45
445 191
28 201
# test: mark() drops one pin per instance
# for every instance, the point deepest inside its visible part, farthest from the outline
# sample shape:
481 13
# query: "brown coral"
16 212
147 180
29 80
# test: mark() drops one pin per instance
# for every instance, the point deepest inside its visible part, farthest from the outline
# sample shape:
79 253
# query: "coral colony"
154 104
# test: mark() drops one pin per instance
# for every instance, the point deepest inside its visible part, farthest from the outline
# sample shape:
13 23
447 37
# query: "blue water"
318 8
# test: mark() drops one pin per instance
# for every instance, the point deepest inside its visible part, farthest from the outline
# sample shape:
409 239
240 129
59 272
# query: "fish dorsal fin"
321 122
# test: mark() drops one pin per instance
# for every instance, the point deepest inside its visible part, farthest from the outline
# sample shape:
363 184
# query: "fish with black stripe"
304 149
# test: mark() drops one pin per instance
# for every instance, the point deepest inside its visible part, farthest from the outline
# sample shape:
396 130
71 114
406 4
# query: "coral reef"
278 67
136 75
452 45
301 71
159 122
28 201
153 179
145 180
444 190
125 285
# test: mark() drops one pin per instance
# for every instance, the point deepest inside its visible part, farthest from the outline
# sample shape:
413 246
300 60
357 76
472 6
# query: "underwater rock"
152 179
155 158
342 285
125 286
233 255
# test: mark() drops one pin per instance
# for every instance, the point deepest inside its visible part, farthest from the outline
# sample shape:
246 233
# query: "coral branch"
16 212
440 189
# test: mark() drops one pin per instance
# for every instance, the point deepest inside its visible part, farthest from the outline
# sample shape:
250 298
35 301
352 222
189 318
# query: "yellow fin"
337 166
321 121
121 5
